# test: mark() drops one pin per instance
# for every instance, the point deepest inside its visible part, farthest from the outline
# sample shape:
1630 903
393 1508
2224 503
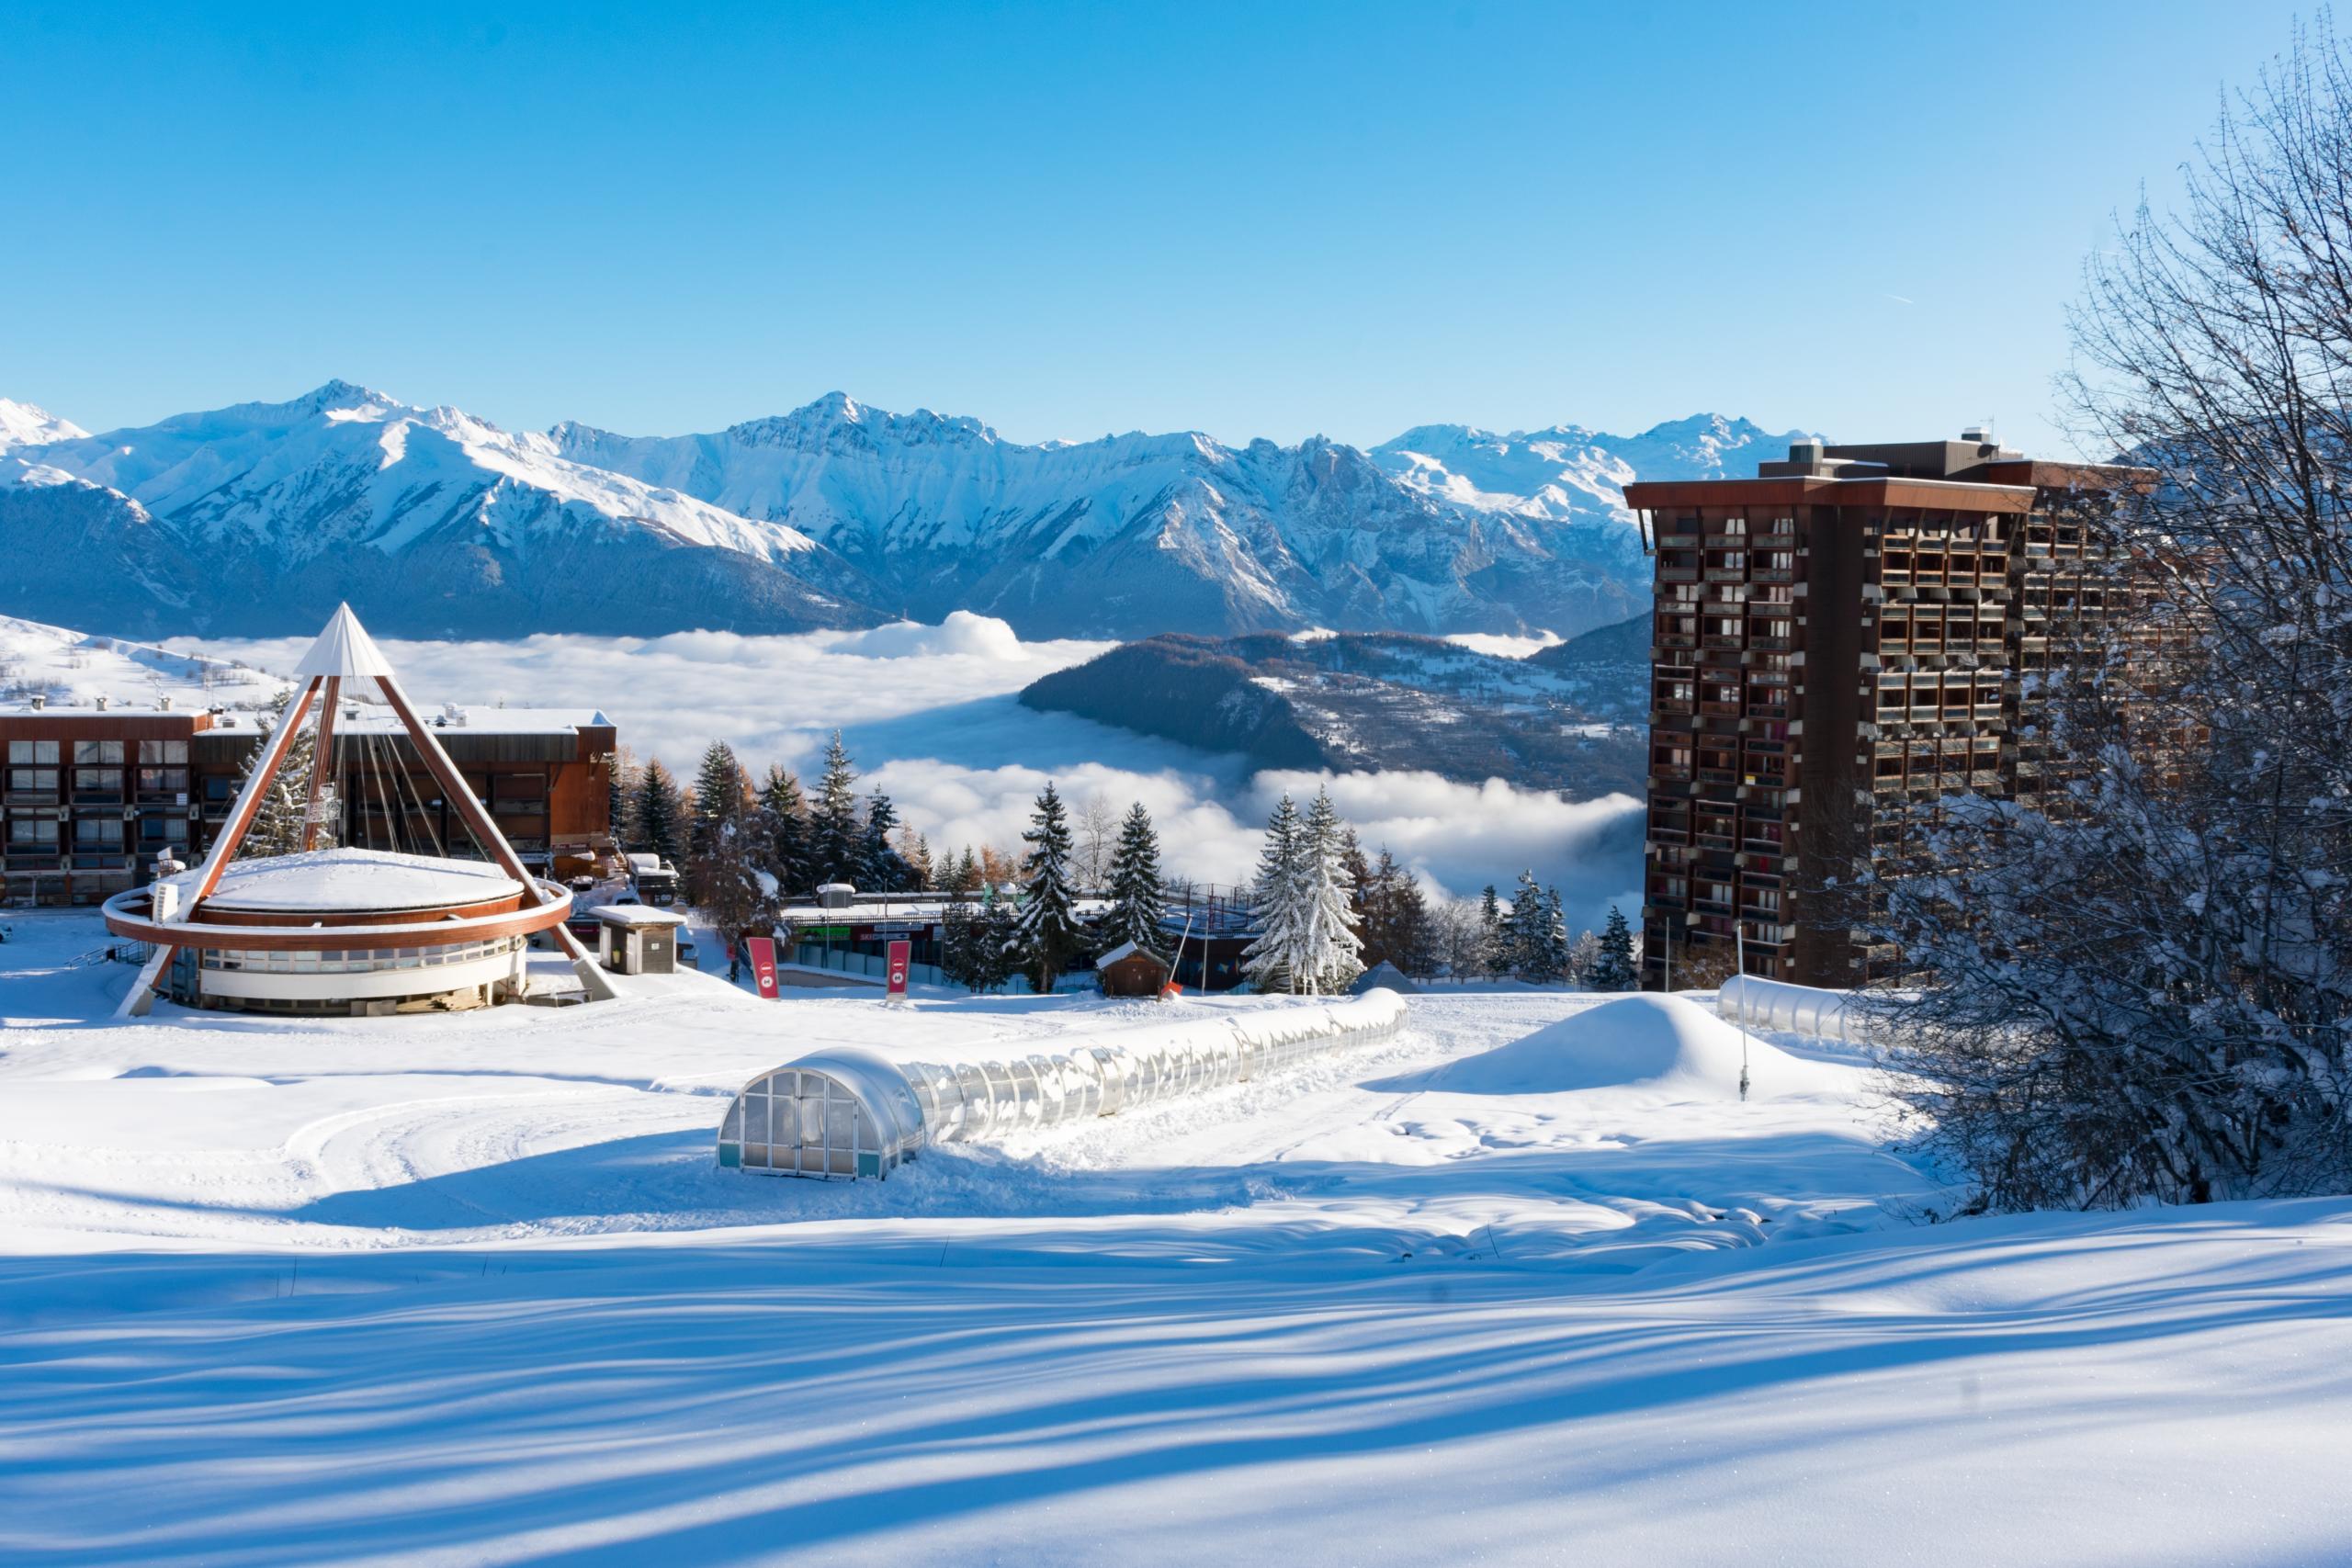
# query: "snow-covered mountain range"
254 520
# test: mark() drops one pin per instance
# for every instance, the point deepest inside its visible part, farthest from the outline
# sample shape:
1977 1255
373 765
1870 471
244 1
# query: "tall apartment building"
94 794
1838 643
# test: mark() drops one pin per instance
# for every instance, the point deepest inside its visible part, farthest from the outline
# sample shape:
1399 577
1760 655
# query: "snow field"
1529 1284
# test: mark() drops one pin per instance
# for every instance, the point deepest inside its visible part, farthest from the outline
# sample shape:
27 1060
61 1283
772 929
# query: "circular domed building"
345 931
342 930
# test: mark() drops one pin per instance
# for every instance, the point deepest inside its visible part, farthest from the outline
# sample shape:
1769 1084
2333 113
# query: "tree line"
1324 911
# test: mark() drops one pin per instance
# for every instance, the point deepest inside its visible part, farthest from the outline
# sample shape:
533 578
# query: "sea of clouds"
931 717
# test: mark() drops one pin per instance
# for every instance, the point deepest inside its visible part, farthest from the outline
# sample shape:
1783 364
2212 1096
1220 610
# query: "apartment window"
97 834
161 753
98 781
32 767
107 751
156 831
27 834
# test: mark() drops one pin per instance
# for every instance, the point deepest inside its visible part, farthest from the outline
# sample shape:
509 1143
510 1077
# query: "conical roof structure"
345 649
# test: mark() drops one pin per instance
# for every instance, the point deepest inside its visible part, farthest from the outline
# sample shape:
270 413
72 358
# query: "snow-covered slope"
22 424
427 520
1136 534
74 669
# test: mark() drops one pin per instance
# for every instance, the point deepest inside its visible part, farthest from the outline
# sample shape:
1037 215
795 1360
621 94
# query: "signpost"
903 953
761 950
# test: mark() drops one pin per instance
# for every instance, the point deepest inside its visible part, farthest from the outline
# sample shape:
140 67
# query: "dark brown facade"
94 796
1838 644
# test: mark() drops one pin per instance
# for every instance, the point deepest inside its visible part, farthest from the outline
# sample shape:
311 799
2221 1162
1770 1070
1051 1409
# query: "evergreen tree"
1555 939
1393 917
1490 924
719 791
1411 933
1050 934
997 952
1273 902
1137 904
1524 933
964 879
660 814
1613 969
880 867
1306 943
836 836
727 888
960 934
277 826
783 832
1331 952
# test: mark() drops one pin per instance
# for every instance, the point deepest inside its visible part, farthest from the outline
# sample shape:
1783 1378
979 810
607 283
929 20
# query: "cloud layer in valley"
929 715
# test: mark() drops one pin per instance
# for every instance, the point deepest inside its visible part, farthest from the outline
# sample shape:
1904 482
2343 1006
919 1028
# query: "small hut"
1131 971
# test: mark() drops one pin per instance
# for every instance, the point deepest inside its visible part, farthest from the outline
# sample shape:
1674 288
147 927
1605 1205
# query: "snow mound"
1659 1043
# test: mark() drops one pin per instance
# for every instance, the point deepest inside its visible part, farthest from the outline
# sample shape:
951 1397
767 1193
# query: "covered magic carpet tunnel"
847 1112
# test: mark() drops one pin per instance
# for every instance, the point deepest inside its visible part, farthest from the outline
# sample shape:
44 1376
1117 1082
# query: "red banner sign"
762 951
901 955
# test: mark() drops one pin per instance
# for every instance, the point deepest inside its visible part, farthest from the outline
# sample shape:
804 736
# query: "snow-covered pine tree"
1274 902
720 793
1613 970
1137 904
997 951
1490 922
880 867
1555 939
835 832
959 938
1328 955
1523 930
276 828
784 826
727 888
1048 931
965 876
661 813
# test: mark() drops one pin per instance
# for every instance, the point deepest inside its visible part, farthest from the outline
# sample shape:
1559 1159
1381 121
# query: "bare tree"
2138 986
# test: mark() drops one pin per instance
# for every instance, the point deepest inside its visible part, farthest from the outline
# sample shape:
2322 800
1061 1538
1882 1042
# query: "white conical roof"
344 648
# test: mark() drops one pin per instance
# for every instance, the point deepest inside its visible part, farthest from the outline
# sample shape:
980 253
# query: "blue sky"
1251 219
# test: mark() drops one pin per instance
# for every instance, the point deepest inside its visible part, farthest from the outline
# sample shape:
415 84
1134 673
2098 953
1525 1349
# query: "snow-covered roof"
1127 950
348 880
474 718
636 914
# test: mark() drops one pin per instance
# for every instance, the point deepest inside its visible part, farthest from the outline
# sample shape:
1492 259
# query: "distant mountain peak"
26 424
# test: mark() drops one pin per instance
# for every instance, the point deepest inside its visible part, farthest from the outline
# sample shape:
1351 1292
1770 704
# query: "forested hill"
1568 718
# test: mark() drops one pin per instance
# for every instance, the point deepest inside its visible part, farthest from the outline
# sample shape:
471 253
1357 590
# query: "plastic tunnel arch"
846 1112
